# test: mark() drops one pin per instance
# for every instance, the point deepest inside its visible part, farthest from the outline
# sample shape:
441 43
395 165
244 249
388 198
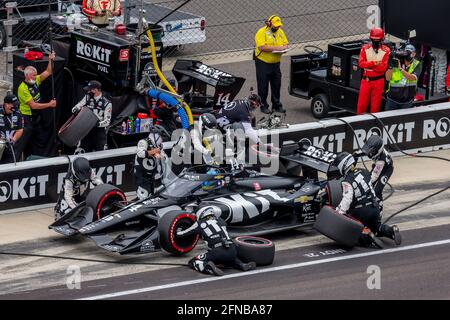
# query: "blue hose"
172 102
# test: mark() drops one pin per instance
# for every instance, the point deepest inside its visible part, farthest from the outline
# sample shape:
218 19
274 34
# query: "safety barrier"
34 184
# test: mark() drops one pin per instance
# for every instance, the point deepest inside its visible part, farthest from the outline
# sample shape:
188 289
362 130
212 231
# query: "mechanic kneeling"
75 186
382 168
221 249
148 171
205 136
359 201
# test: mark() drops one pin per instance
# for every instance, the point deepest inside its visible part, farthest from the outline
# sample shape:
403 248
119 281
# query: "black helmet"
373 146
344 161
81 169
255 98
208 120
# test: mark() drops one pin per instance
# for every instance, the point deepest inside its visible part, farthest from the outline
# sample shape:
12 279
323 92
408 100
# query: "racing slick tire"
259 250
334 189
104 199
168 226
320 106
340 228
77 127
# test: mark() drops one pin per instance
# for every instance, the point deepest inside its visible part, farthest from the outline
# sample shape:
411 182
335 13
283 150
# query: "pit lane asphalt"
422 270
416 270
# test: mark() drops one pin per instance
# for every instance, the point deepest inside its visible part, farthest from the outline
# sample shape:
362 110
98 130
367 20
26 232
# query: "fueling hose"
163 78
172 102
6 253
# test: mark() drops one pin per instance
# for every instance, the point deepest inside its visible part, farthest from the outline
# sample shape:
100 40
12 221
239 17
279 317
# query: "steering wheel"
313 50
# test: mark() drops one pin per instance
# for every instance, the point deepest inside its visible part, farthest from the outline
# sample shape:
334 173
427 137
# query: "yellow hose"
163 78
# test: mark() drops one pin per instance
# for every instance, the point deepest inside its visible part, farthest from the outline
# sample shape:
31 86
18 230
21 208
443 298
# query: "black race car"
250 202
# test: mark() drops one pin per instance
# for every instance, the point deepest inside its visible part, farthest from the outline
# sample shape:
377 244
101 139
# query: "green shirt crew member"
30 99
270 43
403 81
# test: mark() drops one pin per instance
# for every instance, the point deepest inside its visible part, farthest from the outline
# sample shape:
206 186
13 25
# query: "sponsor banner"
39 182
423 128
35 183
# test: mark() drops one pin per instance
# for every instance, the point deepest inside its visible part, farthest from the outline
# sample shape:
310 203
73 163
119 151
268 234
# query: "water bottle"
137 125
128 126
124 127
131 118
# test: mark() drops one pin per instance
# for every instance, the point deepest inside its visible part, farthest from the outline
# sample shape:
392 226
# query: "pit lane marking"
261 271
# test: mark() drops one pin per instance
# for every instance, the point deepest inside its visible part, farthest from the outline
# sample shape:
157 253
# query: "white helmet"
206 212
344 161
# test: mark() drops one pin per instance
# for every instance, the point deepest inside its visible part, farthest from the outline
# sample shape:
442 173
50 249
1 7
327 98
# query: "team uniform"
221 249
9 124
96 139
75 188
148 170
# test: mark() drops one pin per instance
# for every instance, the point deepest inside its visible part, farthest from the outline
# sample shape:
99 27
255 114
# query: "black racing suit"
359 201
238 111
96 139
382 170
9 124
147 170
221 249
73 193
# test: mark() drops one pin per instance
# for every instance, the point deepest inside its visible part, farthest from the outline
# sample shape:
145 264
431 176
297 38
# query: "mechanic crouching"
75 186
221 249
382 168
148 170
96 139
359 201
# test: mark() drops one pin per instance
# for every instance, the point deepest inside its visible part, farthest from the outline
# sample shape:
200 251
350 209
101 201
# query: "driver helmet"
208 212
81 169
344 162
212 184
373 146
208 121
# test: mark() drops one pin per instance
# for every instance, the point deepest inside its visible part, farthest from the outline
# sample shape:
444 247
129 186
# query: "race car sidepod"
340 228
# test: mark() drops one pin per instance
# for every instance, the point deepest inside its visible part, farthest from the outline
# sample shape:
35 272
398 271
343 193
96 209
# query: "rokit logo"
394 133
92 52
211 72
24 188
332 142
114 175
436 129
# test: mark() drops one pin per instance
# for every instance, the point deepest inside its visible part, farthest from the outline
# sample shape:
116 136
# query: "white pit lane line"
250 273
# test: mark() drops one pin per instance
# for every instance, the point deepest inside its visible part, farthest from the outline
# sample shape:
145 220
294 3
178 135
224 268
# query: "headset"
269 21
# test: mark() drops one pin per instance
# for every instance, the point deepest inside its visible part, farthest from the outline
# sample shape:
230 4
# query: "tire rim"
108 203
318 107
182 244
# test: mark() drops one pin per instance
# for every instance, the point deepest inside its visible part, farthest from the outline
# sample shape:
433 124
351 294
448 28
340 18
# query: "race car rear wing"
194 77
308 156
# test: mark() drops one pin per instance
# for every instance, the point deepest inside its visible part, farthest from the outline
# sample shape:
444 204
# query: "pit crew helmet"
208 121
81 169
373 146
377 34
207 212
344 162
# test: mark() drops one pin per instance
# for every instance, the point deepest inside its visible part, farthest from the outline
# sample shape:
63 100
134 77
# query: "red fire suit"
374 65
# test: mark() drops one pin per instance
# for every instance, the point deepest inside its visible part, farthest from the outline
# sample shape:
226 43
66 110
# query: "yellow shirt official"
265 37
